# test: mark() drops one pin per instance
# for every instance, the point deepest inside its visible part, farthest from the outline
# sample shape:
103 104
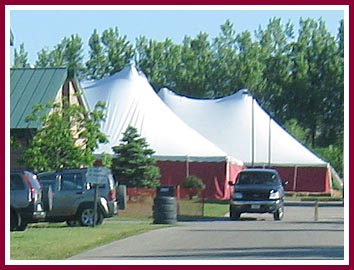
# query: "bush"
193 181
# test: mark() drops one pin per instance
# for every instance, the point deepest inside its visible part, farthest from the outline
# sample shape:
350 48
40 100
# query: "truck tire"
279 214
122 197
234 214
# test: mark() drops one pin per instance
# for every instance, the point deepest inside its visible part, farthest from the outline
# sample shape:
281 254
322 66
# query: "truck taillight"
112 195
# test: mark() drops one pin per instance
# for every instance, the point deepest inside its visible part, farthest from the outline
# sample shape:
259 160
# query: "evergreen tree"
118 50
20 59
97 63
68 53
134 164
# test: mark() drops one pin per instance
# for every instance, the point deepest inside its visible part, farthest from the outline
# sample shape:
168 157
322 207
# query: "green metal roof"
31 86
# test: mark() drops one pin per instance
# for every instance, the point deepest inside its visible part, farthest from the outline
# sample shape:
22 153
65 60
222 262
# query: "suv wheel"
86 216
279 214
21 224
13 221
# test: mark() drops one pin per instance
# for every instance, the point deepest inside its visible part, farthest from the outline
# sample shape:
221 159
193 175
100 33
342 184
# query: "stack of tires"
165 205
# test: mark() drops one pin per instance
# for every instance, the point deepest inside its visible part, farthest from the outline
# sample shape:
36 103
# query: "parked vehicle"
26 205
74 197
258 191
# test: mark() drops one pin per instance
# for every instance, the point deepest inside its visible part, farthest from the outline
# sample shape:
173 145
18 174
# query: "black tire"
22 224
13 220
165 200
122 197
279 214
161 215
86 215
165 221
234 214
165 208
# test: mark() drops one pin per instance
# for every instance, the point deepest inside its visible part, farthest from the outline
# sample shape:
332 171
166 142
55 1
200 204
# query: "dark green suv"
258 191
74 197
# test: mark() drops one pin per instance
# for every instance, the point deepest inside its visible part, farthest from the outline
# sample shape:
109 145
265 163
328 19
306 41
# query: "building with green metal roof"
32 86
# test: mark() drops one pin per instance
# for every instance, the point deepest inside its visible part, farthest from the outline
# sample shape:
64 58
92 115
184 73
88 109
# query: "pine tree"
134 164
20 60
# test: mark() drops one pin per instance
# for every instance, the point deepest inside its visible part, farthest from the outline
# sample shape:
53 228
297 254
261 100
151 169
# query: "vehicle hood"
257 187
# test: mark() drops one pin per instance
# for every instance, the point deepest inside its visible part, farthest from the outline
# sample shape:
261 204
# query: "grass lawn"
57 241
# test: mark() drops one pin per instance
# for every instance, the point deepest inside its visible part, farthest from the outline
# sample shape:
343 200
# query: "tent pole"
187 166
269 141
252 132
295 179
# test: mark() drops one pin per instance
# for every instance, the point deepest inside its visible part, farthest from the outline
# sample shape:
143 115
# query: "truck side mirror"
285 183
231 183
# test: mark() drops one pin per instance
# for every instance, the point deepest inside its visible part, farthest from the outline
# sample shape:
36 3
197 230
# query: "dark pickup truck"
257 191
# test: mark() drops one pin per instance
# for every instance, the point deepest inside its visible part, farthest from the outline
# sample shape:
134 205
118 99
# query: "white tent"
227 122
130 100
239 126
179 149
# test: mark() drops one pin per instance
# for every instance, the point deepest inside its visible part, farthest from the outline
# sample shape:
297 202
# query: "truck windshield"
257 178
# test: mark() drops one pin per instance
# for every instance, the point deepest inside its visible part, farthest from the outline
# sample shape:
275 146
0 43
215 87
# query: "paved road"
254 237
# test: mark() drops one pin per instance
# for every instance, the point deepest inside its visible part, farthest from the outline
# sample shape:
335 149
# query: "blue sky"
39 29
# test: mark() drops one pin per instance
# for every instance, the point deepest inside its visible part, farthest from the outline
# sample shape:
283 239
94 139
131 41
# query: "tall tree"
118 50
224 63
250 68
313 78
159 60
275 43
68 53
67 137
20 59
73 55
97 63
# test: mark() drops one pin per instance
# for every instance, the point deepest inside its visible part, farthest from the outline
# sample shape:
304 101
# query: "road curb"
313 203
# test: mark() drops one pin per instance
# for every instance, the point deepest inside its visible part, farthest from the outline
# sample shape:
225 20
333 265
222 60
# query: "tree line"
297 77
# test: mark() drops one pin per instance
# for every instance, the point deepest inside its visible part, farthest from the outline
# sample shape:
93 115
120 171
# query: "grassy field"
57 241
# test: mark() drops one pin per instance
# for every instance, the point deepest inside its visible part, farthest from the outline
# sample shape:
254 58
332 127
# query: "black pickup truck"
257 191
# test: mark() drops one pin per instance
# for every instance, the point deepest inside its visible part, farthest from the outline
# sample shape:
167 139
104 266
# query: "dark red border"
156 2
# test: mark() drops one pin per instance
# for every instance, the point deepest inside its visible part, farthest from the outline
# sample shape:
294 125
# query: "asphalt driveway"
255 237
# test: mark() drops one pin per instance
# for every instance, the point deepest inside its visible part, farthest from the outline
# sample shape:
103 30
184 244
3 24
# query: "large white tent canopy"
130 100
239 126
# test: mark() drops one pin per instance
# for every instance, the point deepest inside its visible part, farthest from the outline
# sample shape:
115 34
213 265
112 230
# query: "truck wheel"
86 216
279 214
234 214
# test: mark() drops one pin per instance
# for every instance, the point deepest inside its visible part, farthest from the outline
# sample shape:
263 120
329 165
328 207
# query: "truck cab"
257 191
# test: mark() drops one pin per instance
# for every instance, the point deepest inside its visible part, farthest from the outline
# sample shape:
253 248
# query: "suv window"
257 178
72 181
16 182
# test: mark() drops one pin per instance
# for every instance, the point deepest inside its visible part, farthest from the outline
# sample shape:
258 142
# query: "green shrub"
193 181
